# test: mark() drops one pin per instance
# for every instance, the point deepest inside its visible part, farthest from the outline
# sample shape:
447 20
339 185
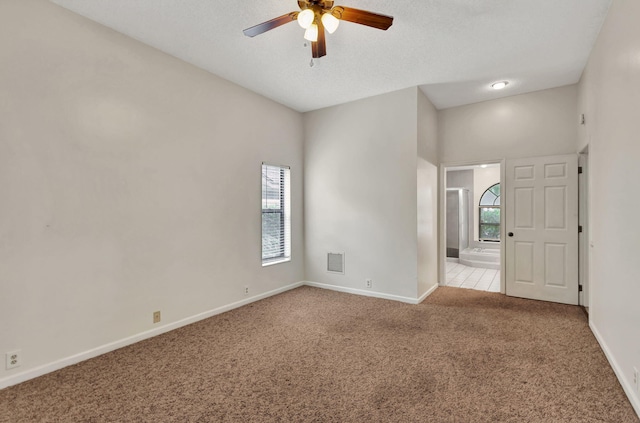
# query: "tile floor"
461 276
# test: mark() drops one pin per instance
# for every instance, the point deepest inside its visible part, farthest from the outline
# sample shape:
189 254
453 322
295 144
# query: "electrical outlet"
13 359
246 290
156 317
636 381
369 283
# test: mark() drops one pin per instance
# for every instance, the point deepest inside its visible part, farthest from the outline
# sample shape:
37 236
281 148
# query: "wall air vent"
335 263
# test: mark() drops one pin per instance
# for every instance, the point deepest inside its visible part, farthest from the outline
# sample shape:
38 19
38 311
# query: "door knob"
510 234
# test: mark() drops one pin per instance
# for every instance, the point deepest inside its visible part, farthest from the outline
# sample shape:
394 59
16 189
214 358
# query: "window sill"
275 261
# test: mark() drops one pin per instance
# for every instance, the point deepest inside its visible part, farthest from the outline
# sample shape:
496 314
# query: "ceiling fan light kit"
330 22
317 15
306 18
311 34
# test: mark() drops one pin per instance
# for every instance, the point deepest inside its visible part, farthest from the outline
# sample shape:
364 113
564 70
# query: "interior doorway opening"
473 227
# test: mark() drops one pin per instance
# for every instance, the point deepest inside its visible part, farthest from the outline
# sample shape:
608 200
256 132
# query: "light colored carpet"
311 355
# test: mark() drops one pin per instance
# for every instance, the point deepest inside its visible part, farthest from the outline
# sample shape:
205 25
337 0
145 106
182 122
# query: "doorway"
472 227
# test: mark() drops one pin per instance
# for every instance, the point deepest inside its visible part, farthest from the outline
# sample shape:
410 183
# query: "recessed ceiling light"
483 166
499 85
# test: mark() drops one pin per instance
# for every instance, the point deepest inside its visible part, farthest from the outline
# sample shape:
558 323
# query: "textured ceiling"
452 49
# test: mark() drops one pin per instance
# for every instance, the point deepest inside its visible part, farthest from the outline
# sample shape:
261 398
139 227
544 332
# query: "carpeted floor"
311 355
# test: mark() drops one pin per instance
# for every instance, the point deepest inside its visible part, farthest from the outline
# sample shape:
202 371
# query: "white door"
541 224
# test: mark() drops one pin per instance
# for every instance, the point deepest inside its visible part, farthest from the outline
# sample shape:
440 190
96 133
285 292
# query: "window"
276 214
489 227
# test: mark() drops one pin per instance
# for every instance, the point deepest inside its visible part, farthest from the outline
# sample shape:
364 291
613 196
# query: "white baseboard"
626 386
368 293
68 361
103 349
426 294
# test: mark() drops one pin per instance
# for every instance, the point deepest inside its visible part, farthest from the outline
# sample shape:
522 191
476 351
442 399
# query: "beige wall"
610 99
541 123
427 129
371 192
427 168
360 193
130 182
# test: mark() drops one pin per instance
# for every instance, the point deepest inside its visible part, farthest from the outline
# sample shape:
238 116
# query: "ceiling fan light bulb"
305 18
330 22
311 34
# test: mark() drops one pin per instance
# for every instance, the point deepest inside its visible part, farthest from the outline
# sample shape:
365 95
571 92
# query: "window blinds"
276 213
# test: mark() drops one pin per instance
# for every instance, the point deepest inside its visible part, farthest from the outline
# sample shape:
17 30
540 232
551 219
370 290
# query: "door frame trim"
584 241
442 217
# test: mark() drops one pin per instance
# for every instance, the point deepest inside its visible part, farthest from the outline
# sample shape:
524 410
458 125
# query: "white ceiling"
452 49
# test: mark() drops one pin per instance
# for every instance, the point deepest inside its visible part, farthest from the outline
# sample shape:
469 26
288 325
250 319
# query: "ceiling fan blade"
319 48
268 25
362 17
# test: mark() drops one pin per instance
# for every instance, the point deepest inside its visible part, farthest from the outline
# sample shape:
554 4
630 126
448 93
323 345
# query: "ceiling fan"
317 15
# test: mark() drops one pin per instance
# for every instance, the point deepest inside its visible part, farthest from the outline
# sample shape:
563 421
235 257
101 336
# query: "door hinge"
580 229
579 288
579 169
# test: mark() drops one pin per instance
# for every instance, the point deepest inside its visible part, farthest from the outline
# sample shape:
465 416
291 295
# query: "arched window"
489 222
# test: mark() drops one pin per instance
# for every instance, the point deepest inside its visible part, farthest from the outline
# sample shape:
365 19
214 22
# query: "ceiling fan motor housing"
325 5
